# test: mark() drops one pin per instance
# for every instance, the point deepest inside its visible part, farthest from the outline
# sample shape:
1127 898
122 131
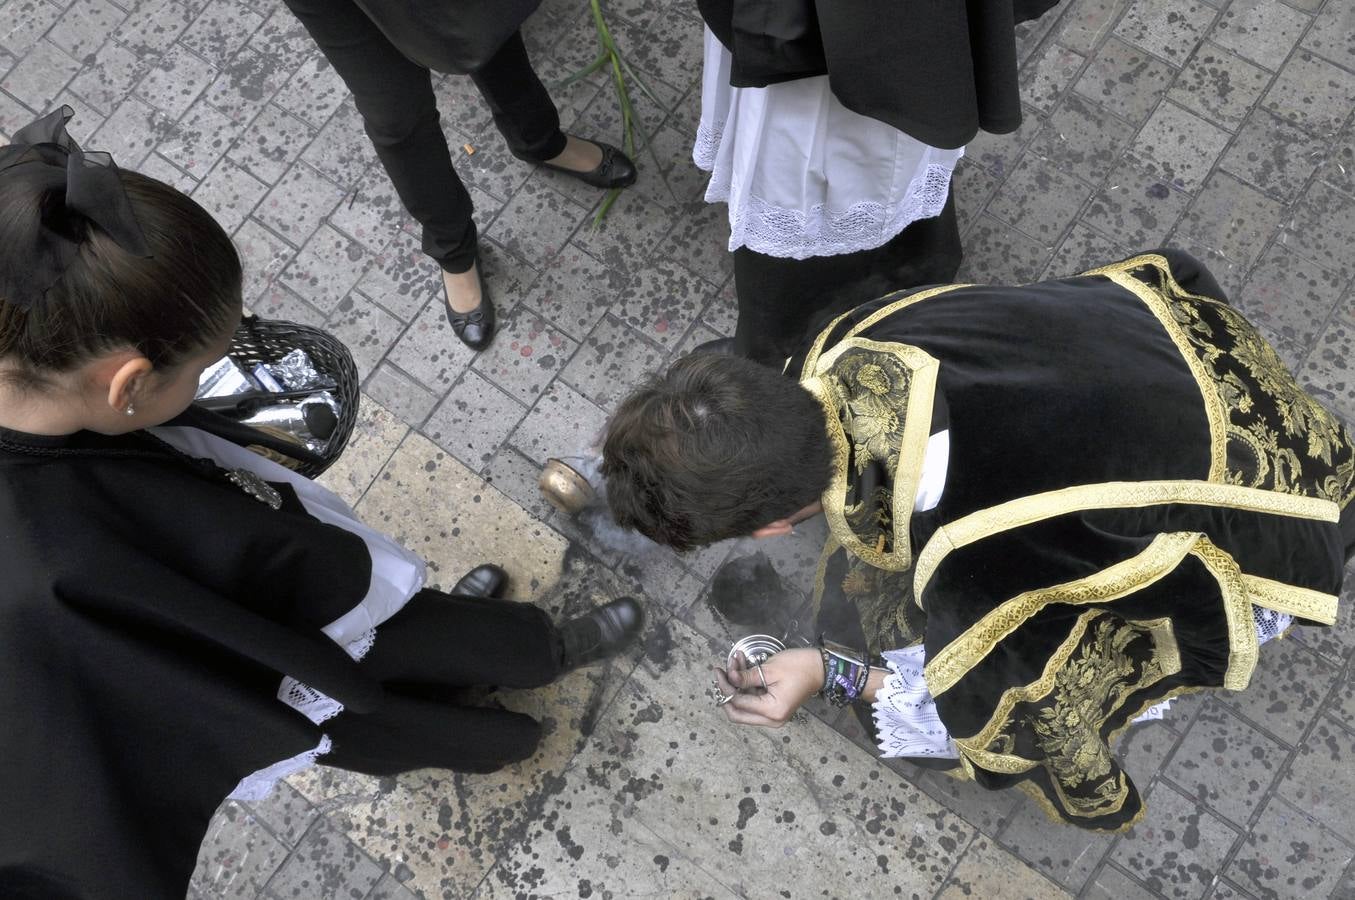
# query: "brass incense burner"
565 487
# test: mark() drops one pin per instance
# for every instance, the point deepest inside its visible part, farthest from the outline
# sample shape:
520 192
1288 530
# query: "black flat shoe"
474 328
615 171
487 580
604 632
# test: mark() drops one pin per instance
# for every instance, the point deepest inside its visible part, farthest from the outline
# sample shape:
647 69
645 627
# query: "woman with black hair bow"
180 619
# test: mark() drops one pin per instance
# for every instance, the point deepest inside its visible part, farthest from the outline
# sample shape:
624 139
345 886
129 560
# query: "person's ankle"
462 290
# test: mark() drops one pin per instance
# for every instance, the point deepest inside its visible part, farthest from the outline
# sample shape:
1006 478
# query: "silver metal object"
254 485
719 696
756 648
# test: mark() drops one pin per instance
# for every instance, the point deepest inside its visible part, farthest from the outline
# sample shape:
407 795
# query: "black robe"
938 70
148 611
1131 468
457 37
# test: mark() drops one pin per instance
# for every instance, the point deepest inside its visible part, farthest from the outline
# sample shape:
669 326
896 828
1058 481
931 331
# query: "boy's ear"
779 528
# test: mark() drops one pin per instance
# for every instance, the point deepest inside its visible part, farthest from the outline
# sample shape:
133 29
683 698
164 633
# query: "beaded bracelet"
844 677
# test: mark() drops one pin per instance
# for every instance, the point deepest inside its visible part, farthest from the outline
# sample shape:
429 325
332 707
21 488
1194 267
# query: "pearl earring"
130 410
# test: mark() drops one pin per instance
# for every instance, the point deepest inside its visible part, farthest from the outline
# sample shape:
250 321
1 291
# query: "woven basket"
269 340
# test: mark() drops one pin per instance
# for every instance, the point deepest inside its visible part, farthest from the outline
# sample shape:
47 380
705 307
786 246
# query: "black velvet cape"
938 70
1131 469
148 611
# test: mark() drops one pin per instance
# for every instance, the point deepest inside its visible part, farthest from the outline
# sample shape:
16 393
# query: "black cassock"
148 609
938 70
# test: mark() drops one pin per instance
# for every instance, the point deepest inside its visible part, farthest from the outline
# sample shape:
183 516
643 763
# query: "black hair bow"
82 189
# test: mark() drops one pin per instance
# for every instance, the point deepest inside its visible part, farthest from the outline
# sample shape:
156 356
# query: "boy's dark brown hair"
714 448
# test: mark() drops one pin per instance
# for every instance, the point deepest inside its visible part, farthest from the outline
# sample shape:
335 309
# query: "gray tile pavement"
1225 127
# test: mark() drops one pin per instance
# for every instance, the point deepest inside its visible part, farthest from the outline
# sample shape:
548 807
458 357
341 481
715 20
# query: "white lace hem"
906 721
258 785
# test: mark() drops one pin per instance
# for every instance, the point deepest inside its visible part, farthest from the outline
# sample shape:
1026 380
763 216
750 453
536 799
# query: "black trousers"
781 299
395 98
427 654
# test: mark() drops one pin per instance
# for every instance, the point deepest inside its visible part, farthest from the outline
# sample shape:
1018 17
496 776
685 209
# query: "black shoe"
615 171
604 632
721 346
474 328
487 580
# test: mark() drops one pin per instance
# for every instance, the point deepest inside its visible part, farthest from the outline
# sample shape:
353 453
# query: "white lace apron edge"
257 786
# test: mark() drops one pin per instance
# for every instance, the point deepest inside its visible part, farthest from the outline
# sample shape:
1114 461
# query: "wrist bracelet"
845 673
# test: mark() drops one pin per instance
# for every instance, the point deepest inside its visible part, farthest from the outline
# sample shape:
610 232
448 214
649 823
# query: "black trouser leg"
523 110
782 300
399 111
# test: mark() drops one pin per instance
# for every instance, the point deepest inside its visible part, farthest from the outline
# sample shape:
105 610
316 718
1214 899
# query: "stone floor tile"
1082 139
285 812
1336 643
1288 297
972 186
154 26
199 139
1327 373
429 350
473 420
1231 274
1134 208
389 888
402 395
563 422
662 301
1226 763
401 277
700 240
276 302
1126 80
326 269
507 275
668 48
313 92
722 312
526 354
1143 749
1082 249
342 151
108 76
39 77
25 22
238 855
536 223
131 132
1168 29
1321 778
1274 155
987 870
1264 31
627 237
325 864
371 213
986 810
230 194
1045 77
1226 890
271 143
1178 848
245 84
222 29
1041 198
365 329
175 81
575 291
262 255
999 254
1113 884
298 203
376 436
1086 22
516 476
281 42
1289 854
1232 218
1220 86
484 162
157 167
668 176
83 28
1333 34
999 152
612 361
1065 854
1338 165
602 117
1312 93
1288 686
1178 147
1343 698
1323 228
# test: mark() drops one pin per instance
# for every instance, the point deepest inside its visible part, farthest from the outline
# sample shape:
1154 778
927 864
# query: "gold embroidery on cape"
1305 603
1243 649
1087 679
1038 507
812 357
1160 557
877 401
1274 434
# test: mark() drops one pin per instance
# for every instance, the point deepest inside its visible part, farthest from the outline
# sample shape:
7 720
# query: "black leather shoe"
615 171
474 328
487 580
604 632
721 346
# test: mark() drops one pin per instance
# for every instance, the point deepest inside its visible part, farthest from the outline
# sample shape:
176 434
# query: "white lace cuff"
905 715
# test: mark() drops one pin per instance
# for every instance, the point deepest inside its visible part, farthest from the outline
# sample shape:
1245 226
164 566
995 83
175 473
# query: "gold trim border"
1038 507
812 357
1305 603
